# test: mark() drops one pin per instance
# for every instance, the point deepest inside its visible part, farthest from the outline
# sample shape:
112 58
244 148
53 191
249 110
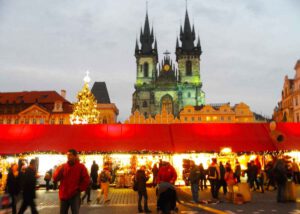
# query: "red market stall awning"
290 133
152 138
213 137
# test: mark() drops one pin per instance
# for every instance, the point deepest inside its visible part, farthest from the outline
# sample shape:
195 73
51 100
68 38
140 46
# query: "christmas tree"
85 110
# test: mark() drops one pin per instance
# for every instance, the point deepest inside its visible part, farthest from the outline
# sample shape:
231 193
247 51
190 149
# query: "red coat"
167 174
73 179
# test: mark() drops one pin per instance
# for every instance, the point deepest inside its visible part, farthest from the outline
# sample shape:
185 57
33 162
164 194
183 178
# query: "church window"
145 104
188 67
167 103
146 69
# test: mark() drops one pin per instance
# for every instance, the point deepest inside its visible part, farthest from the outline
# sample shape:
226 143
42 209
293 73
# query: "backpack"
212 172
104 177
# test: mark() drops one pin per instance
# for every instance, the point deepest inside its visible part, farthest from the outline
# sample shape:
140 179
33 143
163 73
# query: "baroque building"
288 108
167 85
34 107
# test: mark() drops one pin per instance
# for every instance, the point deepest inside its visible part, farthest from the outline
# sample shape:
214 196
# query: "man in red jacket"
166 173
74 178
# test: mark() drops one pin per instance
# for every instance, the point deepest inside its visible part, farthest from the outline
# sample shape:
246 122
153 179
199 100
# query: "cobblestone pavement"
125 201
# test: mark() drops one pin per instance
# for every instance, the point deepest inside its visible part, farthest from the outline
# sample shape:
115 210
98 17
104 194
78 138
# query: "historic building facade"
210 113
34 107
167 85
288 109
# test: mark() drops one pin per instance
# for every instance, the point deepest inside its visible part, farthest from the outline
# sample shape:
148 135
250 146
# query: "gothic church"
167 85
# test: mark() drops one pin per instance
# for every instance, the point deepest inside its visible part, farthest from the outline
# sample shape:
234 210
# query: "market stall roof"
290 133
213 137
154 138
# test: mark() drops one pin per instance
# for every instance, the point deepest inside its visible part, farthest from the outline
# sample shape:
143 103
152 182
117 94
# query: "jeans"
195 191
214 185
143 194
87 194
73 202
28 202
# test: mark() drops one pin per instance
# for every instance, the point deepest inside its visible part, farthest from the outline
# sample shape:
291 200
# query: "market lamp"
226 150
275 134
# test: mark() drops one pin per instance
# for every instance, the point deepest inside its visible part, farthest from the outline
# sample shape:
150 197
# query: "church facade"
167 85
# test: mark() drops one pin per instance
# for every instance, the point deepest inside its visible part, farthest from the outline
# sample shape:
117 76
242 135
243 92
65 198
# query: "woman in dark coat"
141 180
13 185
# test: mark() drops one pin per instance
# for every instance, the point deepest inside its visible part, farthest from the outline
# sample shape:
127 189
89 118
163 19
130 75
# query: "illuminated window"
208 118
146 69
61 121
188 67
215 118
193 118
52 121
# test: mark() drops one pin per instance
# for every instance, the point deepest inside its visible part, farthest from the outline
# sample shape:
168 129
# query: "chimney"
63 93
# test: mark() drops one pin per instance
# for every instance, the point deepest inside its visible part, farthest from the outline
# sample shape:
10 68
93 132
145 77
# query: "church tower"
188 59
146 70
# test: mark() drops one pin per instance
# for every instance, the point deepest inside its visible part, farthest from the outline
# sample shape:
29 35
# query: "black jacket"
29 183
13 184
141 179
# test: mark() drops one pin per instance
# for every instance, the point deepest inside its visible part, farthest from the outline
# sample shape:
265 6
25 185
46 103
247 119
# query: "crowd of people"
75 183
276 174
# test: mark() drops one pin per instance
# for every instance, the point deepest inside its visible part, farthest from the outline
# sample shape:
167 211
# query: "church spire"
187 36
146 37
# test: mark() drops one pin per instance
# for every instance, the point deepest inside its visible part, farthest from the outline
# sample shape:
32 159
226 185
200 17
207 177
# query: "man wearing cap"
74 178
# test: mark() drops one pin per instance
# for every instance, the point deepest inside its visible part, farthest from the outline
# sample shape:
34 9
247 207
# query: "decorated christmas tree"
85 109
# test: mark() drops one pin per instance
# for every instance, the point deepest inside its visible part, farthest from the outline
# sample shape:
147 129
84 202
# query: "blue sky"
248 46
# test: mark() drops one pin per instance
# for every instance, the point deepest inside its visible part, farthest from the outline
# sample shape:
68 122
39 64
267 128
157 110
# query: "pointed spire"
155 45
187 36
198 43
146 26
136 46
187 25
146 37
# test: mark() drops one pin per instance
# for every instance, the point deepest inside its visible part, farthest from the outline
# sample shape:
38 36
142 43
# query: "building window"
16 121
193 118
146 69
222 118
26 121
199 118
8 121
167 103
61 121
42 121
188 67
145 114
229 118
33 121
189 110
298 118
207 118
52 121
185 119
145 105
